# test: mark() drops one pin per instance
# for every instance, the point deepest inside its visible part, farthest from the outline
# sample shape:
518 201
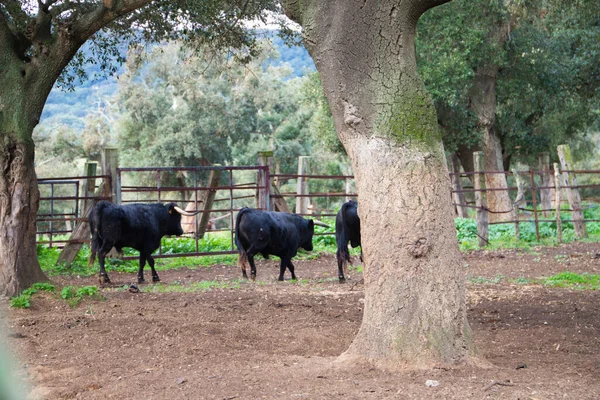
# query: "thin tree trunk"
414 314
483 102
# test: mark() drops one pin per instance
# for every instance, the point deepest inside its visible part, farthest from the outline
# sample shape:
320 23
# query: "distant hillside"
70 107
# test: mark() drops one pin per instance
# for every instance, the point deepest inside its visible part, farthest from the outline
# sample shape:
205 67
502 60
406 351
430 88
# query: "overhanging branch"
106 12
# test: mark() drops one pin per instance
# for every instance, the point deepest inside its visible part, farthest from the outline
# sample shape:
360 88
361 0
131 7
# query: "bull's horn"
320 223
186 213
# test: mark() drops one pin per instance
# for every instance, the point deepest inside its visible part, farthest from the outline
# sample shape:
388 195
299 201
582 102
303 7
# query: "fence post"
348 188
206 201
546 179
458 196
89 185
566 160
110 163
518 202
265 158
302 202
534 203
557 202
480 198
81 234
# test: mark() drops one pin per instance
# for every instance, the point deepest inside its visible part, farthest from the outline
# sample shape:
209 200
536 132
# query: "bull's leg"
252 267
282 267
341 268
342 259
291 268
103 275
141 269
155 277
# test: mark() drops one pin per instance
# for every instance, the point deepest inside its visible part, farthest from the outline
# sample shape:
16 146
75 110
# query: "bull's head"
175 213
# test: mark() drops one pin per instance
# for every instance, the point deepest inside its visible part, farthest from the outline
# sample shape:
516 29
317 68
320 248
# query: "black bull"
139 226
347 229
271 233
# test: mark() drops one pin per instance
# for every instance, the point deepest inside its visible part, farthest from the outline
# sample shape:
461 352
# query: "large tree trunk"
19 195
414 311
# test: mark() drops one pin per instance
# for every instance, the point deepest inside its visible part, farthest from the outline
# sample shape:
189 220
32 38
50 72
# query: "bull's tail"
95 220
243 256
342 248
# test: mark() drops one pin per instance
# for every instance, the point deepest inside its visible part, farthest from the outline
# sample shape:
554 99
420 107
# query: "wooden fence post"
534 204
566 161
110 163
519 201
480 198
89 185
557 190
302 201
81 234
545 183
458 196
262 180
204 202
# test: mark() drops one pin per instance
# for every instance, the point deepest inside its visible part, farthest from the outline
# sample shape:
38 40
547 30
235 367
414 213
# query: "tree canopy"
548 71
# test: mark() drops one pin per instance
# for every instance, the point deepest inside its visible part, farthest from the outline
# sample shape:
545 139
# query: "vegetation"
544 63
24 299
74 295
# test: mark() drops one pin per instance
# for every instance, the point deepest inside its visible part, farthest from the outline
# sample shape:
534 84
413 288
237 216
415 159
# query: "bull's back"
267 232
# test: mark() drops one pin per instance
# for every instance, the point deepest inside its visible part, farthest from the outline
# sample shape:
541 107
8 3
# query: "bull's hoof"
104 279
280 279
342 279
155 279
141 279
253 277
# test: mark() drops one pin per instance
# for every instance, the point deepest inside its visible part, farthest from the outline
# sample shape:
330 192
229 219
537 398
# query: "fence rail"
534 196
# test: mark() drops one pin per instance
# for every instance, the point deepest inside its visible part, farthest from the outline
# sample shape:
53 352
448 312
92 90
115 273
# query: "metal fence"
62 200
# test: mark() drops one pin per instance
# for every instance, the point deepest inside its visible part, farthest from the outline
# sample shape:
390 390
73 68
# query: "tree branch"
10 35
106 12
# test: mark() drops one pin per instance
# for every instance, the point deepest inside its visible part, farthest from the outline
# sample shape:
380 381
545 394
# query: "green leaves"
24 299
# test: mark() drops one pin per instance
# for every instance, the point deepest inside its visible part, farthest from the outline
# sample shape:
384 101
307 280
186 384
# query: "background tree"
37 42
509 77
414 282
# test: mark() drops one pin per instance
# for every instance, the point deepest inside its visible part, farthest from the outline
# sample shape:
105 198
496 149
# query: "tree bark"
31 60
414 314
483 102
19 195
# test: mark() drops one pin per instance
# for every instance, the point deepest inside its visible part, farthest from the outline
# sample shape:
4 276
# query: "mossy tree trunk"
19 195
31 61
414 314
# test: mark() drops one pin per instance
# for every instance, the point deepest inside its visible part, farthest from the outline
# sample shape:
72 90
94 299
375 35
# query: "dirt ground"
280 340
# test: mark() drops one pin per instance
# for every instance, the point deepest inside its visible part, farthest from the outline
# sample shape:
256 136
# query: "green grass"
564 279
201 286
572 280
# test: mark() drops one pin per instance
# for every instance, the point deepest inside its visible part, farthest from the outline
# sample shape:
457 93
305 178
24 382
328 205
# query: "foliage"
74 295
547 80
503 235
24 299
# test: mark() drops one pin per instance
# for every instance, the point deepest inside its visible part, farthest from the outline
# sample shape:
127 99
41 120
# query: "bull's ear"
311 224
171 208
